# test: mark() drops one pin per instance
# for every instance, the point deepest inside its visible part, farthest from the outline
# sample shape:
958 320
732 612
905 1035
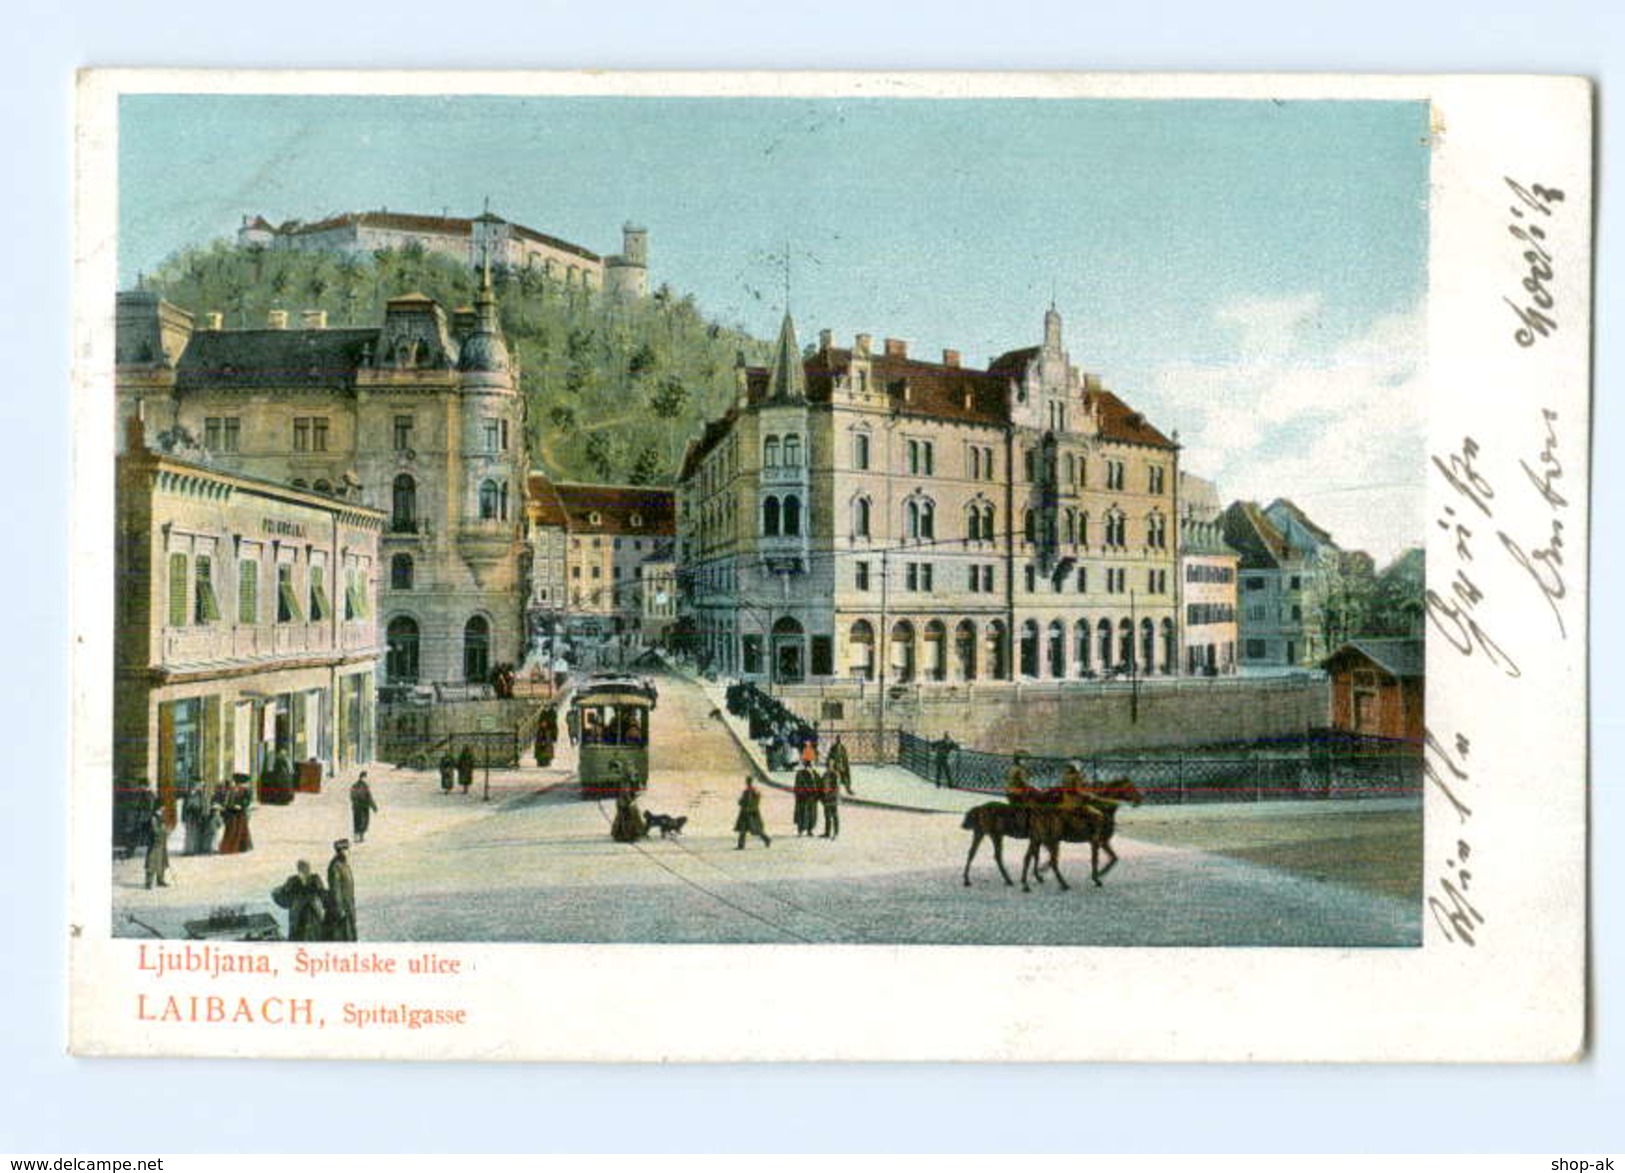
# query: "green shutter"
318 595
177 590
248 591
207 610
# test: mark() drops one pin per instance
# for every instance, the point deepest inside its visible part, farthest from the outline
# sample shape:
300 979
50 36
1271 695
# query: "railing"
1321 765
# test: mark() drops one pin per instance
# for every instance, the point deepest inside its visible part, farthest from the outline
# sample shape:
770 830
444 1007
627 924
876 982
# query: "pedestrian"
448 772
829 794
303 895
465 768
628 826
945 749
138 817
236 838
805 788
194 817
841 764
749 821
340 894
809 748
362 806
157 849
214 825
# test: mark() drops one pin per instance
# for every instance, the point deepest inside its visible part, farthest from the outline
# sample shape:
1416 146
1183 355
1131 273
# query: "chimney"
277 319
214 320
826 340
950 358
896 348
861 346
135 429
313 319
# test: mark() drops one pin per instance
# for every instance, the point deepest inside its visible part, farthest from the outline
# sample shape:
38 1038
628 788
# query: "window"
301 434
476 649
1114 474
205 609
860 576
752 654
575 572
598 572
823 655
860 450
318 433
492 436
975 582
987 580
221 433
770 452
403 433
1029 464
860 518
1154 478
975 463
287 603
1116 530
355 593
919 519
319 608
1029 526
1297 582
488 501
917 576
792 451
405 501
1255 613
1253 582
1297 613
770 517
401 572
401 664
1032 579
1255 649
248 591
1083 580
973 523
177 590
792 516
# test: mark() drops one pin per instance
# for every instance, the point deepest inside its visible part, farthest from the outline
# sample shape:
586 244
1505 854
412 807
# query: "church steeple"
787 379
1052 330
484 349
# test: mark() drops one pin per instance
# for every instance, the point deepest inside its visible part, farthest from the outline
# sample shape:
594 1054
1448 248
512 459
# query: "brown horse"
1093 822
999 821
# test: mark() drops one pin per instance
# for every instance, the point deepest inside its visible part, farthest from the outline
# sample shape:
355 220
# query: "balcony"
484 543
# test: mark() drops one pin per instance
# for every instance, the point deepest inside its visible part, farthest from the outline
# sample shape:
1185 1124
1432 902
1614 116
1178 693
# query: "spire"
1052 329
484 348
787 379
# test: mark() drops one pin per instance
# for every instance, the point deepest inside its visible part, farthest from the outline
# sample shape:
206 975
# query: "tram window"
592 727
632 727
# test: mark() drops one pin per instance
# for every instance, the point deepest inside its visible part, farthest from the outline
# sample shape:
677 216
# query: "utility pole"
1133 663
882 649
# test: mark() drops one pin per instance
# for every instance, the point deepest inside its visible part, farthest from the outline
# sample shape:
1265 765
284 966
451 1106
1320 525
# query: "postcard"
1043 567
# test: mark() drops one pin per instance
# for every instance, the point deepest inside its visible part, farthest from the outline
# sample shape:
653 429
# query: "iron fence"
1316 766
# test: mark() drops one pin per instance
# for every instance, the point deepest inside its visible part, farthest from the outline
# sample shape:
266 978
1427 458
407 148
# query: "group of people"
1073 792
457 771
782 734
215 822
813 790
318 912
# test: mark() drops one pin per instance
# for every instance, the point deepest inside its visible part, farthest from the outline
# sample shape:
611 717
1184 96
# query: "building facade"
419 417
471 241
601 553
1207 575
1274 583
246 625
861 513
1378 688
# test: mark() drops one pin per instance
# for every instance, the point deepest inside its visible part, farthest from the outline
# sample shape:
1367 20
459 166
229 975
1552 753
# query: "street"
536 864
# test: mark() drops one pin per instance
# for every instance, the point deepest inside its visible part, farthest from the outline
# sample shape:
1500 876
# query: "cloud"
1336 426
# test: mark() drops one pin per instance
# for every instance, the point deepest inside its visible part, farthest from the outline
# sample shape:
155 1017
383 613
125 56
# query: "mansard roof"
273 358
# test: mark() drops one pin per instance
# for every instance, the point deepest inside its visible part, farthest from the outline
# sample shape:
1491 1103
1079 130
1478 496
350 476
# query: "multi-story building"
861 513
472 241
418 416
597 551
1270 603
1207 577
246 624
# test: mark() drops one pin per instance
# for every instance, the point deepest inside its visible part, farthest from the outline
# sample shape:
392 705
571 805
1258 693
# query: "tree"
669 398
646 468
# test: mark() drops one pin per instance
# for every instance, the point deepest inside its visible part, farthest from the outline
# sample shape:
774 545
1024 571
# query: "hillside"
615 390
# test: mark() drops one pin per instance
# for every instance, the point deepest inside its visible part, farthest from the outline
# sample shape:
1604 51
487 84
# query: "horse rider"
1018 790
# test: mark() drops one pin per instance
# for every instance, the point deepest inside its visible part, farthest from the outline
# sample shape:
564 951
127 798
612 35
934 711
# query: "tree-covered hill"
616 389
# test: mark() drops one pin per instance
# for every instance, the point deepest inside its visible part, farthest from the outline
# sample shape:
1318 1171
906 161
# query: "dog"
665 824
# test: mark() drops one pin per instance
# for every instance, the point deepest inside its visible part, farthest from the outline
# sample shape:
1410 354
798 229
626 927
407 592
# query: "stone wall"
1076 718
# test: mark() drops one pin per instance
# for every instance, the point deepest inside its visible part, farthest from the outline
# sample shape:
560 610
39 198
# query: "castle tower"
627 275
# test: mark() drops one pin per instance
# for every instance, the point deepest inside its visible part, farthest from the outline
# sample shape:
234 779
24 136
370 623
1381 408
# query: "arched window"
902 651
1071 518
323 485
861 650
1083 529
401 662
488 500
1057 649
400 572
975 463
405 502
973 523
1029 526
770 517
1104 629
1029 648
1080 652
965 647
1148 645
792 451
476 650
1170 648
998 651
988 533
936 650
770 452
919 519
860 518
792 516
1125 644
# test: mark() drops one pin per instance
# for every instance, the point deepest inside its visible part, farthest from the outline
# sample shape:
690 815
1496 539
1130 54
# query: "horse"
999 821
1093 822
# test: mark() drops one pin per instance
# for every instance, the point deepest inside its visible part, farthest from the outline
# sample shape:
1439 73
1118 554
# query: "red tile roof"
440 225
615 506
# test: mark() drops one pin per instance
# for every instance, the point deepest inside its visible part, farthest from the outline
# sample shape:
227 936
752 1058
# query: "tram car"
609 720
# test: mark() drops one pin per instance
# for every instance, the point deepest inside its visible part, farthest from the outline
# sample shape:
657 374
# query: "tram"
609 719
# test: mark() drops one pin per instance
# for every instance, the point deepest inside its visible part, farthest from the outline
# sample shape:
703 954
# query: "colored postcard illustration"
570 567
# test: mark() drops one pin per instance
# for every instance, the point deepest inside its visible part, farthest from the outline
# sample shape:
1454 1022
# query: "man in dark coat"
749 821
157 849
195 817
944 756
829 795
303 895
465 768
340 894
448 772
806 792
362 806
840 764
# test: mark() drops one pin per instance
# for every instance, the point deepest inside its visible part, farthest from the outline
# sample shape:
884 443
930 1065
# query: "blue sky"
1251 274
